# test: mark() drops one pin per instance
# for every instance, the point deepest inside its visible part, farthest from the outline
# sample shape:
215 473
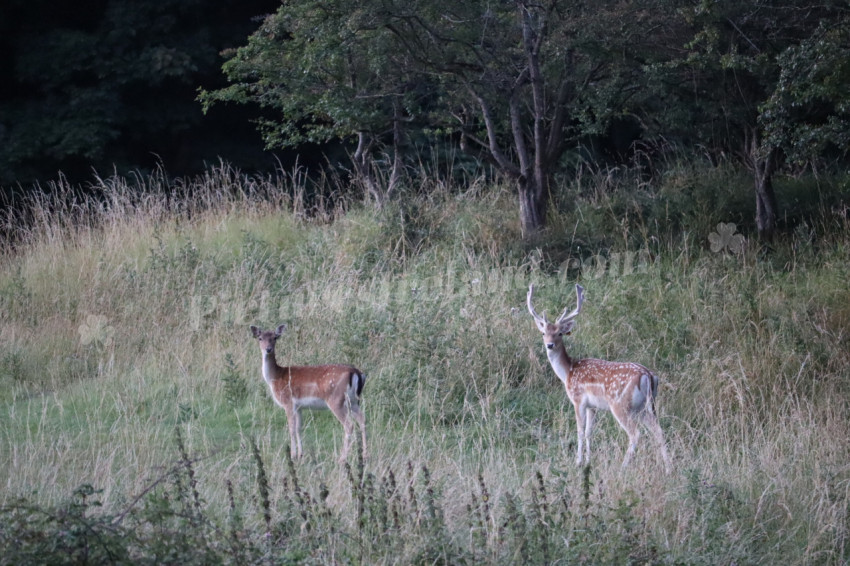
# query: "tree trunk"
763 165
398 141
765 207
532 206
363 169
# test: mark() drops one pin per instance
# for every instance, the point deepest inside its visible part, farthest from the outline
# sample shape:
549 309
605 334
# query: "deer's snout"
550 345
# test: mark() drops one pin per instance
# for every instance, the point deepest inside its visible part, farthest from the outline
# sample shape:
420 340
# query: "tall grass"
135 425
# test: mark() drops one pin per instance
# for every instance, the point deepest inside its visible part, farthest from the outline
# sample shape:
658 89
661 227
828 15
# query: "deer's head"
553 332
267 338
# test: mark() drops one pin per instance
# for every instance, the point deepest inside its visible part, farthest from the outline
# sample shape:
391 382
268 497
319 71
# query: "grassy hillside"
135 425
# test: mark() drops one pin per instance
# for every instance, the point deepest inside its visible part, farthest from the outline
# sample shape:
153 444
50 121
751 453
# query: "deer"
628 390
335 387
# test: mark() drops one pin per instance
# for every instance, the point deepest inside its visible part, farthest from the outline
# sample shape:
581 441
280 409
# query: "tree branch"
503 162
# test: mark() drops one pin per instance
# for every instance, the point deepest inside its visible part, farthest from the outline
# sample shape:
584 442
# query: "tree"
808 112
525 81
518 82
732 71
331 71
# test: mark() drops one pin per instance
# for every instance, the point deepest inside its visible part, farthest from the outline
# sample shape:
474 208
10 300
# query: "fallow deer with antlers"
628 390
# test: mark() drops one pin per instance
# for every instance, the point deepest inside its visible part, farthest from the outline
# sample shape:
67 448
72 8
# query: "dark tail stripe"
653 385
358 380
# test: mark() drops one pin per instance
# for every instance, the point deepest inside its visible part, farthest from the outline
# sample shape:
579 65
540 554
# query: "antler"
579 300
564 316
537 318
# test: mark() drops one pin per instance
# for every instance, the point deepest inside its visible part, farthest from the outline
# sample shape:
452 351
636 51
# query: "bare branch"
502 160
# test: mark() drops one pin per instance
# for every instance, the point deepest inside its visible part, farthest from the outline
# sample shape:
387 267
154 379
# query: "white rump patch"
641 393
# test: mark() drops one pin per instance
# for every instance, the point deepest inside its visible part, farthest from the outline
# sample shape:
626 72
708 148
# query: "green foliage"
14 296
235 388
66 534
808 111
517 83
756 78
327 69
393 522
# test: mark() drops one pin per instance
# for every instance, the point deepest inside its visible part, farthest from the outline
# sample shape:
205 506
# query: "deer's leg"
298 432
343 415
293 419
358 415
634 435
632 430
352 404
649 416
346 443
580 424
590 415
655 428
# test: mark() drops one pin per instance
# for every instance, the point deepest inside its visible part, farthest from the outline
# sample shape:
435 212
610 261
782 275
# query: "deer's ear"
567 327
255 331
541 326
279 330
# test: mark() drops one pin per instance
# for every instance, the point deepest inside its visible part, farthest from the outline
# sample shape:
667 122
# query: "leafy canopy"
327 68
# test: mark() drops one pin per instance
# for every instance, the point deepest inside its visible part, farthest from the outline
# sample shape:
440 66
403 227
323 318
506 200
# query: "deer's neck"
270 367
560 362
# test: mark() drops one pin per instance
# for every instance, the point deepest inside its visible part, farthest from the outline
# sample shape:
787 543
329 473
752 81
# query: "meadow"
135 426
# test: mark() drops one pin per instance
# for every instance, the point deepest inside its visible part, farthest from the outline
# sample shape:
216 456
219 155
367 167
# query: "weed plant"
136 427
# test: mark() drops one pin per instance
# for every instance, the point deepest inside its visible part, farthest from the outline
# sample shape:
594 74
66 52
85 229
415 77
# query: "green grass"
126 365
